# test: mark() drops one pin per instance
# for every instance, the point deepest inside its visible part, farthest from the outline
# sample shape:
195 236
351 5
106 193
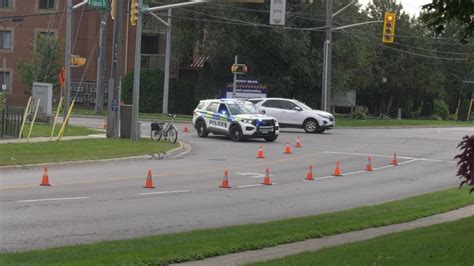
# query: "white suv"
295 114
235 118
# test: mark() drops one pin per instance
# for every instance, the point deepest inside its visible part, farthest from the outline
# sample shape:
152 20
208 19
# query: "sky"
412 7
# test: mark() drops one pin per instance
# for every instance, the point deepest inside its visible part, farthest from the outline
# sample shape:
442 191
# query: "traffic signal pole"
67 60
135 134
114 82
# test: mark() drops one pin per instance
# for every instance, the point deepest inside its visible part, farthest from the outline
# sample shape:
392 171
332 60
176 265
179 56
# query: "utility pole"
99 97
327 65
234 85
167 65
135 134
67 59
114 97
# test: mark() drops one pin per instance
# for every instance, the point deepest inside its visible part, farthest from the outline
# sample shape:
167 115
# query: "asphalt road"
98 201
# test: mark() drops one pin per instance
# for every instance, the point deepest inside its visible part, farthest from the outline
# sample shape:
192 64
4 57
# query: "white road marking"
254 185
253 175
366 154
164 192
52 199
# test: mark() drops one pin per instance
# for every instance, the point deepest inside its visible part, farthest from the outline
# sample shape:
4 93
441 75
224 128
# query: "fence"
85 92
10 122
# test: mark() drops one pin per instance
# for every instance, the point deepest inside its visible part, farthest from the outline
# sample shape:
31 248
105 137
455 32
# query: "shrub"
466 162
441 109
151 90
360 112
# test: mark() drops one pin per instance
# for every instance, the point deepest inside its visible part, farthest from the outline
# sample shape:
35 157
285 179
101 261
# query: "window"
223 109
45 4
5 39
272 104
5 80
288 105
6 4
212 107
150 44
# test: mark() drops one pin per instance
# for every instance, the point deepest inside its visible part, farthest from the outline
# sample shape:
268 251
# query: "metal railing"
153 61
10 122
85 92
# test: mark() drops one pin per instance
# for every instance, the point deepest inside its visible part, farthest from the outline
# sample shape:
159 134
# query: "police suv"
235 118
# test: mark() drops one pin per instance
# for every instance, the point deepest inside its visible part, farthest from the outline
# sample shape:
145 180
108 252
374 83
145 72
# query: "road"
97 201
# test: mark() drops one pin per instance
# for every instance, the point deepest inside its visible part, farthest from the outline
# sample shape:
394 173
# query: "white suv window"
287 105
272 104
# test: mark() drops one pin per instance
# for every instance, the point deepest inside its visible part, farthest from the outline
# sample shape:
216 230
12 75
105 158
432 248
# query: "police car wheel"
236 133
201 129
311 126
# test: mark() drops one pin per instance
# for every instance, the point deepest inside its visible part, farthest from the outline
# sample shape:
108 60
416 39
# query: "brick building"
22 21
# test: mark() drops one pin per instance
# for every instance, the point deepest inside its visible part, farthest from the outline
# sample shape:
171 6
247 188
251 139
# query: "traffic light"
277 12
77 61
134 12
239 69
388 27
113 9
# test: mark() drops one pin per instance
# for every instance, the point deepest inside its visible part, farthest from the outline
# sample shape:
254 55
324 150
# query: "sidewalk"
46 139
329 241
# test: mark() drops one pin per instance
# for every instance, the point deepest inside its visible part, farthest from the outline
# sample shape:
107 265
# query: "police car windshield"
243 108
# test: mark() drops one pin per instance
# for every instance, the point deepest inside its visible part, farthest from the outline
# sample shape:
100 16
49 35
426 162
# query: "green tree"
45 64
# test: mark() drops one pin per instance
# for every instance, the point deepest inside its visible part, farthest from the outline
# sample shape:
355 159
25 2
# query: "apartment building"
21 21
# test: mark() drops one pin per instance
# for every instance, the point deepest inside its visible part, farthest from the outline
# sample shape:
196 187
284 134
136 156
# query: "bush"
182 100
441 109
360 112
151 90
466 161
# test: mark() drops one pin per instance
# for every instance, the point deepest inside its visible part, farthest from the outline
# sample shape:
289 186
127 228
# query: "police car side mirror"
297 108
262 112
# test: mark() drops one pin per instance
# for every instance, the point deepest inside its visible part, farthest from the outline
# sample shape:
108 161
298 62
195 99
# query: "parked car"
235 118
295 114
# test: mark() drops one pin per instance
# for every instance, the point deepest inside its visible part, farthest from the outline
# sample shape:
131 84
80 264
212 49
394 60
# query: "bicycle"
167 131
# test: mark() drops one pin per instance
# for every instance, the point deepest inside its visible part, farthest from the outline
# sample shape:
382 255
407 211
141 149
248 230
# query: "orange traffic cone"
368 167
298 142
260 153
394 160
287 149
149 180
337 170
186 129
225 181
45 181
309 175
266 180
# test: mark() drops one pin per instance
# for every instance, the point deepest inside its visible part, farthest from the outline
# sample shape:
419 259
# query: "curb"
139 119
183 149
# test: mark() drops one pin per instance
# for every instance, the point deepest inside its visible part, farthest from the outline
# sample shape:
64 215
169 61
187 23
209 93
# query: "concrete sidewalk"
46 139
329 241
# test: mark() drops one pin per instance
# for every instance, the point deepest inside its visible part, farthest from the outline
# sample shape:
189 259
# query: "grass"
348 122
44 130
199 244
76 150
442 244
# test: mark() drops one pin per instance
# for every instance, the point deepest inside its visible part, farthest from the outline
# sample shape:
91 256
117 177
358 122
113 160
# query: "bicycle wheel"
156 135
173 135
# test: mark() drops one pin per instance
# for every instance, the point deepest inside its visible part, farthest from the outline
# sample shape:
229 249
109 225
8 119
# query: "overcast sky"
412 7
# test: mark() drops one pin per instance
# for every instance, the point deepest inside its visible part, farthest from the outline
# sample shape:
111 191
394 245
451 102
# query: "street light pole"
167 64
327 64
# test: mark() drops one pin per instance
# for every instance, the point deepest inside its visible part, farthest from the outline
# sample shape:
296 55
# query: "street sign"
239 68
97 4
115 105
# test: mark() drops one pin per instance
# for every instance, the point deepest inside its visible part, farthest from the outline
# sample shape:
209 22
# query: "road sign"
239 68
97 4
115 105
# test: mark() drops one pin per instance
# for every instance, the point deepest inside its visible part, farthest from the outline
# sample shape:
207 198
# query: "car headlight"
249 121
